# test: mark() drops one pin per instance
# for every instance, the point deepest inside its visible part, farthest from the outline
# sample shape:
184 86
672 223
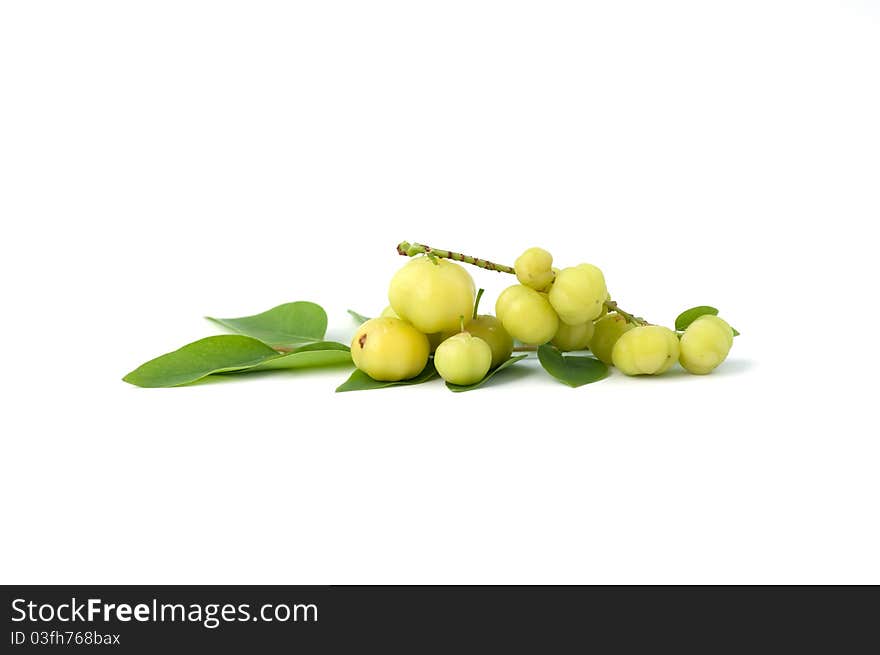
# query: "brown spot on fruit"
362 339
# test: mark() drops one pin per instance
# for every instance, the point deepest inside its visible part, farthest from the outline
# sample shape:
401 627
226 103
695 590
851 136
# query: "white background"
161 161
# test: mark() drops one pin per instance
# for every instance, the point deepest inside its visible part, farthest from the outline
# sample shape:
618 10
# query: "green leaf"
489 375
314 355
218 354
572 370
735 331
231 353
290 324
360 381
688 316
360 318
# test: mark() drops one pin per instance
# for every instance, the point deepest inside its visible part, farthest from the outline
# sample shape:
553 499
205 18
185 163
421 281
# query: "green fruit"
463 359
389 349
489 329
534 268
608 330
646 350
432 295
389 312
578 294
435 339
526 315
573 337
705 344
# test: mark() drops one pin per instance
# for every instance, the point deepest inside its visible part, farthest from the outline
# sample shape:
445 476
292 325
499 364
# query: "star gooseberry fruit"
705 344
489 329
608 330
463 359
604 310
646 350
578 293
534 268
434 338
432 295
526 314
573 337
389 349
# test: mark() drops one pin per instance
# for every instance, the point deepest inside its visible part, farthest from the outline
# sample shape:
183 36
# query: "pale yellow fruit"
534 268
389 349
526 315
705 344
463 359
432 295
434 339
724 325
646 350
604 310
547 288
573 337
578 294
490 329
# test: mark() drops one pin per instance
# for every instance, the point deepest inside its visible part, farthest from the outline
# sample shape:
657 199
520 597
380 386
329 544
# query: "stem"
612 306
407 249
477 301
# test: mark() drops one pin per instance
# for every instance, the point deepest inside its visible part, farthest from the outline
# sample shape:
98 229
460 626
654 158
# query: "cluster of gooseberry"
434 310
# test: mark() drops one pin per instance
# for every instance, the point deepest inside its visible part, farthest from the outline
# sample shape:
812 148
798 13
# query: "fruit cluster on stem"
434 306
407 249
